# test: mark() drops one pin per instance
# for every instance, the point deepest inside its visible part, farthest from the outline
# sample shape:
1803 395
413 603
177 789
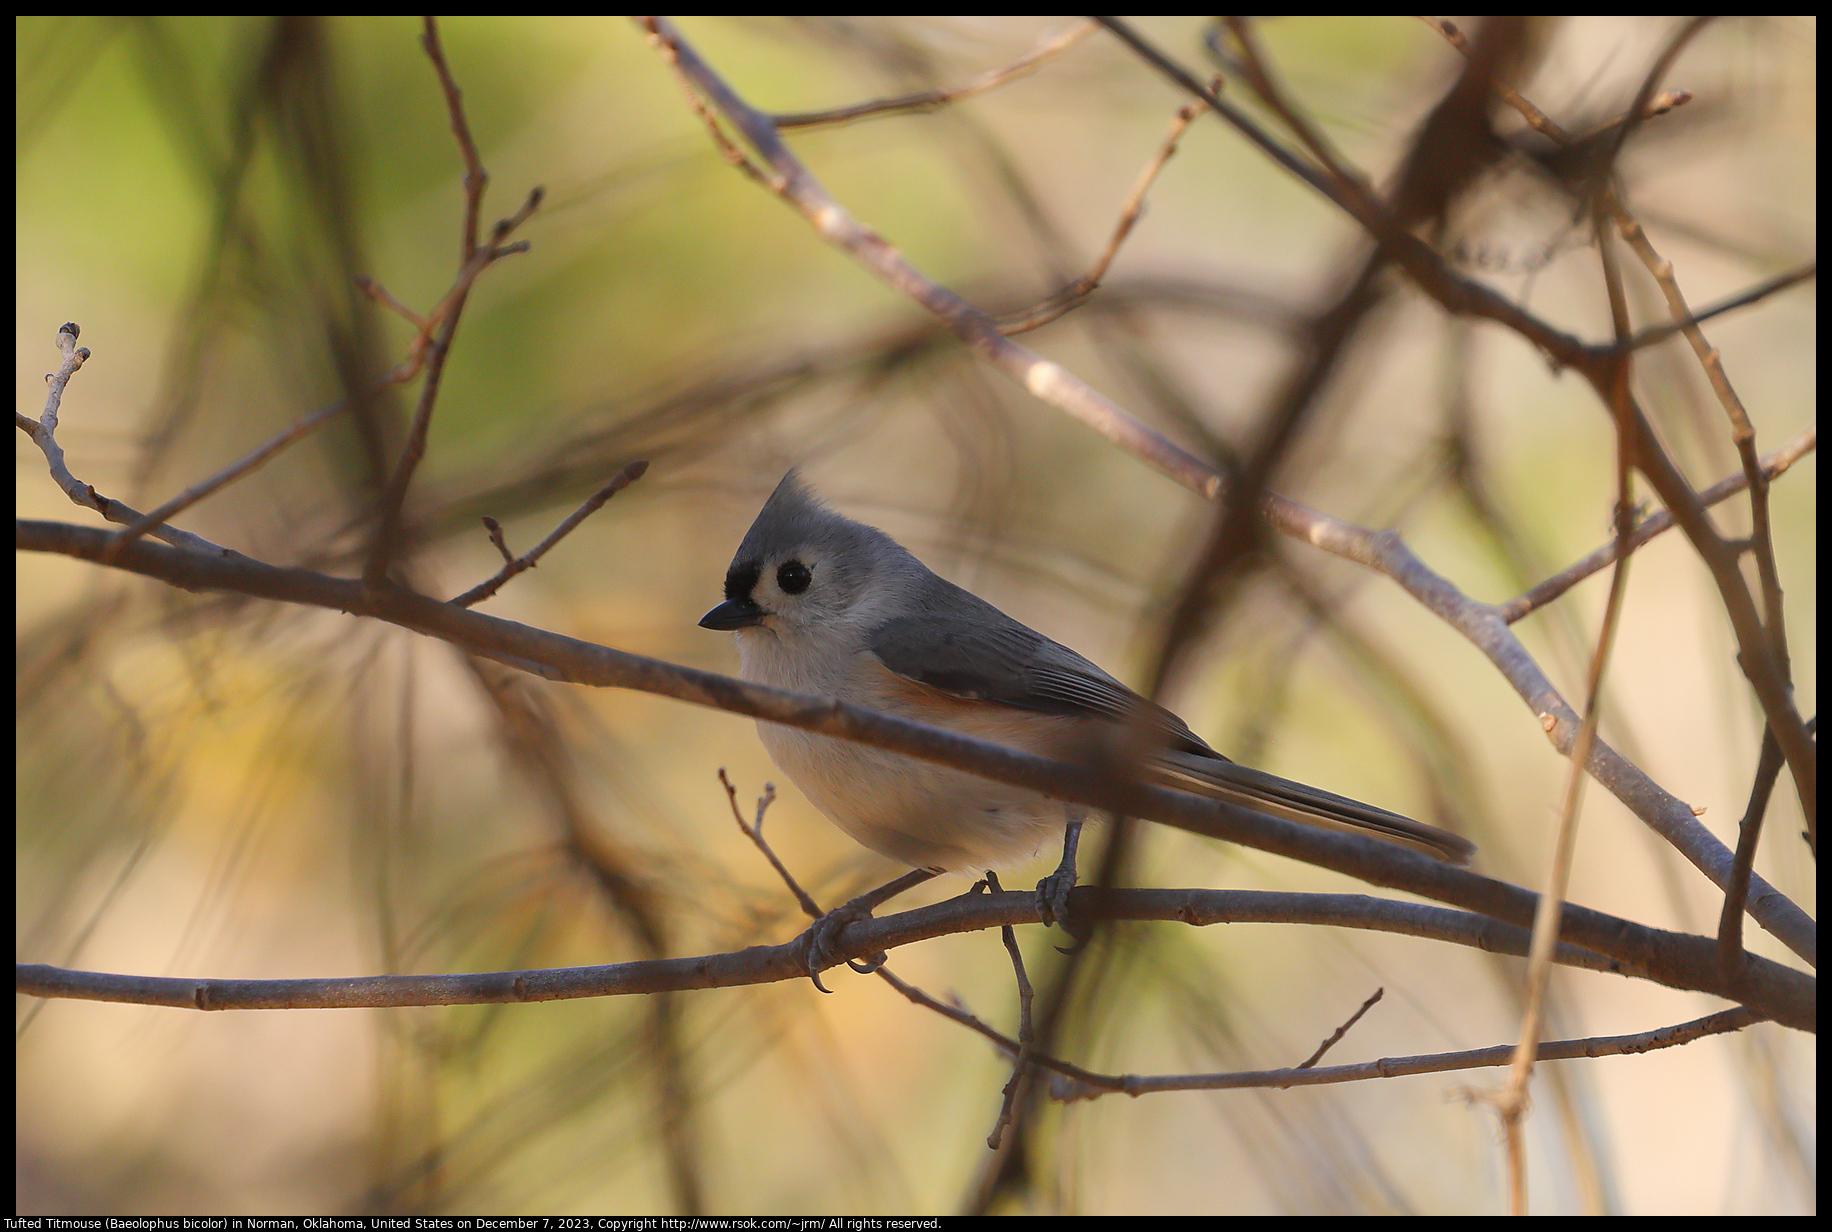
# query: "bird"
821 604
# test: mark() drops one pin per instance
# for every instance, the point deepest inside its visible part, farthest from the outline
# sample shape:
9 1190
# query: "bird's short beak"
734 614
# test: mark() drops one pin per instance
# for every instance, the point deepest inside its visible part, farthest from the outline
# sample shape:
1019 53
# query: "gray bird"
823 605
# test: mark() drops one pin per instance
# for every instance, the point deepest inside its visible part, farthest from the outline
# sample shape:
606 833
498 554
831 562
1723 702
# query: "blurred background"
213 786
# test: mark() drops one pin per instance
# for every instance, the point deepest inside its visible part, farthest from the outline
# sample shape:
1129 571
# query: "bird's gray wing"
1009 664
985 655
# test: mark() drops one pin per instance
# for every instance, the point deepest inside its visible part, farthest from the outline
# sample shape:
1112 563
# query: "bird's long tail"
1214 775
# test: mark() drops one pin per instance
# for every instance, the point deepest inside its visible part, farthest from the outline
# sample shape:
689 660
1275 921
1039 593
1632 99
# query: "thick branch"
773 963
1688 962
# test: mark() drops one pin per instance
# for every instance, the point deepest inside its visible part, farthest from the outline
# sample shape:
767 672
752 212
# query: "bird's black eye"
793 577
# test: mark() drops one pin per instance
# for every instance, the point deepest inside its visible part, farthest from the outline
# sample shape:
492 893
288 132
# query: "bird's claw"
1053 896
824 942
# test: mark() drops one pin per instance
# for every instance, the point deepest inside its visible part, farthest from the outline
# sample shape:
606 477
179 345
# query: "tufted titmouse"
824 605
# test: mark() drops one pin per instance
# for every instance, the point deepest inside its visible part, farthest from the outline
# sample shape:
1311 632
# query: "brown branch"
757 964
1749 832
964 913
483 590
1076 293
1364 208
1762 290
1004 1043
1437 1063
1024 1058
1335 1038
1691 961
1601 366
1743 436
789 179
1762 663
1655 524
1512 1101
1256 67
753 830
476 257
932 100
43 433
1536 119
476 179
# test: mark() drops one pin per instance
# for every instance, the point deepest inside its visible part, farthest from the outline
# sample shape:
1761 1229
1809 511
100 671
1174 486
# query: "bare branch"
476 258
931 100
1438 1063
562 658
1335 1038
788 961
1077 292
1774 465
43 433
790 180
621 480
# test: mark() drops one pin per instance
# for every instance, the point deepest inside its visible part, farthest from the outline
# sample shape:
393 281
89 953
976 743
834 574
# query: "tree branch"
1669 957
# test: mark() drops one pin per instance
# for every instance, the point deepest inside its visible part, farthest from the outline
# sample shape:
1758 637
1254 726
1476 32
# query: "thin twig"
1749 832
1432 1063
1007 1046
476 179
1336 1037
483 590
1762 290
1021 1063
1512 1100
43 433
1076 293
930 100
1536 119
1257 69
754 832
1655 524
1761 539
151 522
477 256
